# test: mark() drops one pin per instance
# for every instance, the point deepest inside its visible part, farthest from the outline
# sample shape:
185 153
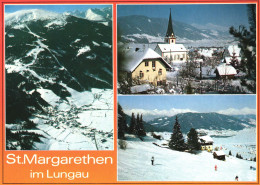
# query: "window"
153 64
147 71
146 63
160 72
141 74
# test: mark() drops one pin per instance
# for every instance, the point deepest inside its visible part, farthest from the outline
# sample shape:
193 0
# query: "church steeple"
170 36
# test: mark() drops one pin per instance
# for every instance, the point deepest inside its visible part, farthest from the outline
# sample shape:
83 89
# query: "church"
169 50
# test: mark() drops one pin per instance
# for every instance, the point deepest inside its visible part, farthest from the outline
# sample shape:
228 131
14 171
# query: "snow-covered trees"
177 139
193 140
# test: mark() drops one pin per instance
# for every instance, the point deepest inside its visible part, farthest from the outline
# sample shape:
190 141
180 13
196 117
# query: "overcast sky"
219 14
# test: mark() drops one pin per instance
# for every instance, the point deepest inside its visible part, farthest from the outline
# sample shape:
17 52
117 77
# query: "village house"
145 66
220 155
225 71
206 142
170 51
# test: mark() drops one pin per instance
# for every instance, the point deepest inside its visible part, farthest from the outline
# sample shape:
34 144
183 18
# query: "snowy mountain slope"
210 121
90 15
24 16
134 164
57 65
142 29
103 16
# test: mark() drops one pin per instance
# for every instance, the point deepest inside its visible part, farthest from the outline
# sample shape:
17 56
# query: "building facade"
170 51
146 67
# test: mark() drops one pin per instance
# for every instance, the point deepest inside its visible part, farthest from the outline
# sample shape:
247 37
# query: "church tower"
170 37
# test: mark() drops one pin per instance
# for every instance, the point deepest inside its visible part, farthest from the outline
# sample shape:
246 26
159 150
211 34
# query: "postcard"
138 92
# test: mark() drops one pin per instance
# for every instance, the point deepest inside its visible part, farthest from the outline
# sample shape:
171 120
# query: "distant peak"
28 15
91 15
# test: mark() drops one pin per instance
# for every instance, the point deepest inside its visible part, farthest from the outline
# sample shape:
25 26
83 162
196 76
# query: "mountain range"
98 15
56 61
208 121
143 29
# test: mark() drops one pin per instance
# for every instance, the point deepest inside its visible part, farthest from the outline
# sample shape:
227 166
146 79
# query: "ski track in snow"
41 47
134 164
68 136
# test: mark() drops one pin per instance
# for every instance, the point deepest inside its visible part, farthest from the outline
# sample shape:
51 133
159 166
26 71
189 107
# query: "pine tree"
193 140
177 140
234 60
122 127
247 42
137 126
141 131
132 124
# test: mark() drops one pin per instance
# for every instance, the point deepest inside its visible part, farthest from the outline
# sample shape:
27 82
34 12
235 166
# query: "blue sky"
55 8
200 103
219 14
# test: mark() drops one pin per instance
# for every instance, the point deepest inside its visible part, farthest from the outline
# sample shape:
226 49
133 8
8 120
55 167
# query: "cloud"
243 111
152 114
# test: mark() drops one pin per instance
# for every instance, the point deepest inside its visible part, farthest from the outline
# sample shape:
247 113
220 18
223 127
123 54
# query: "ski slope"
134 164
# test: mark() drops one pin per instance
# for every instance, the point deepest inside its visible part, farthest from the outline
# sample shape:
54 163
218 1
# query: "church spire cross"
170 36
170 29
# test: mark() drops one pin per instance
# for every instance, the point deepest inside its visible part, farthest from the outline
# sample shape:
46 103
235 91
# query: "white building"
170 51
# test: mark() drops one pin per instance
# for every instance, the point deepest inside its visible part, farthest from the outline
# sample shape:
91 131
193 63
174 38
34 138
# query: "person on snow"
152 160
236 178
216 168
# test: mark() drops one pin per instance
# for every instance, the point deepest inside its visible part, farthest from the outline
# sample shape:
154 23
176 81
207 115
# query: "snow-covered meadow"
134 163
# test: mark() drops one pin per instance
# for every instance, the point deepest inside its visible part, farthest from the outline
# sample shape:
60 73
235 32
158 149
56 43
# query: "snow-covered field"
134 163
80 124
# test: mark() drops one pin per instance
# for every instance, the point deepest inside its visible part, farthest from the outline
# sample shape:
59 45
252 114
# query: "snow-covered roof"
206 52
206 139
140 88
224 69
172 47
220 153
228 59
234 49
198 60
134 58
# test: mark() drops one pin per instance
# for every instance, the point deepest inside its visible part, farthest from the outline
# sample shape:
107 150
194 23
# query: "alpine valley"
59 90
143 29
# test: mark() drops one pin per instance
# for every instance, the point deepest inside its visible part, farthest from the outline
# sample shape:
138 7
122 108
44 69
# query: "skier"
216 168
236 178
152 160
